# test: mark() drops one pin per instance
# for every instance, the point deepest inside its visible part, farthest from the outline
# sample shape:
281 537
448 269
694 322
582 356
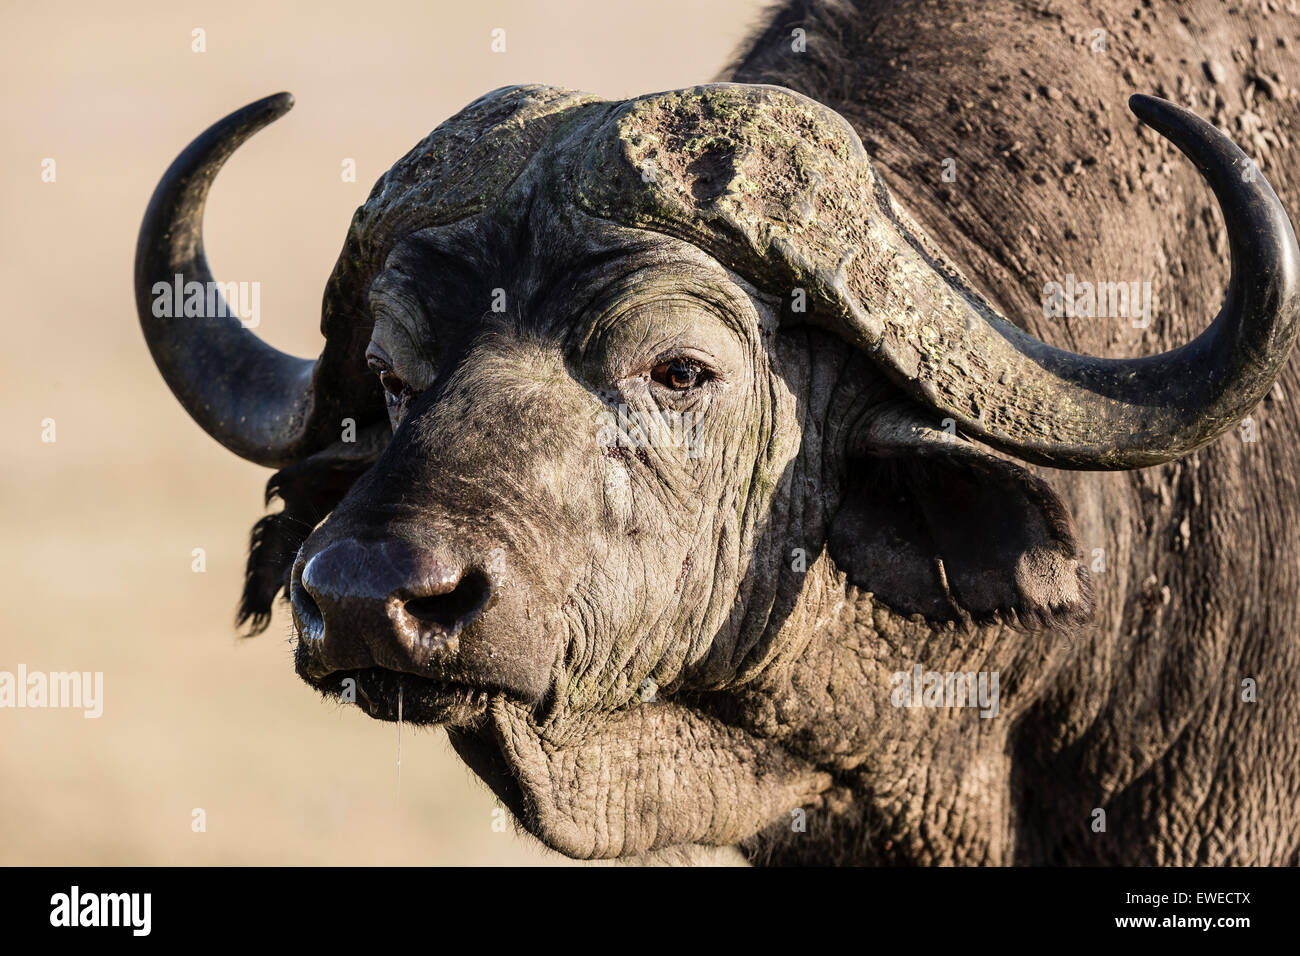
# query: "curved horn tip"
277 103
267 110
1142 103
247 120
1197 138
1165 117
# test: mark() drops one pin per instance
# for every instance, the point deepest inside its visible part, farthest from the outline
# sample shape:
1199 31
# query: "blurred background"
99 527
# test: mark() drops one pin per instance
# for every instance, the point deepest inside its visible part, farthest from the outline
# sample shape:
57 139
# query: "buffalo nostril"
444 615
306 612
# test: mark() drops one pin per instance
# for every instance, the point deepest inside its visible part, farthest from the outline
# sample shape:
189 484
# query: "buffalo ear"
935 525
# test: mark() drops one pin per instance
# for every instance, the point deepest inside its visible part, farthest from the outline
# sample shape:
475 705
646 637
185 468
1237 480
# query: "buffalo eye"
678 374
394 388
393 385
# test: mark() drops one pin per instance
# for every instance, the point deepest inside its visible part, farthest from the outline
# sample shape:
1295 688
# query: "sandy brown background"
98 527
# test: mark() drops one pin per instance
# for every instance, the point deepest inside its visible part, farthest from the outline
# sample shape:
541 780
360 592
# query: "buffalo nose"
384 602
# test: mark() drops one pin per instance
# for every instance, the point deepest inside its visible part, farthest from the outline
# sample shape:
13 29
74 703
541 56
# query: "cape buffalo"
710 492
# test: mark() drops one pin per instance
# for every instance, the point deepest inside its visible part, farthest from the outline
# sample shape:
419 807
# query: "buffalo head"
649 435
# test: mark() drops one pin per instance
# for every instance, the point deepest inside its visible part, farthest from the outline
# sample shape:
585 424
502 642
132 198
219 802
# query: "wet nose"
385 603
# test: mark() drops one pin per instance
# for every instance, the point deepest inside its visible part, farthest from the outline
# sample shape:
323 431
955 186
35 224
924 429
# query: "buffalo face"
566 474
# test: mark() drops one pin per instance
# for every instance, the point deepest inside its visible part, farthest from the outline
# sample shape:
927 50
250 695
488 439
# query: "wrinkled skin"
654 649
